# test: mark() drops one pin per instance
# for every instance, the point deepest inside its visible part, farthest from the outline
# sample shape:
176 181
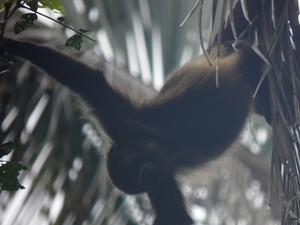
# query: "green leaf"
27 22
53 5
9 171
61 19
75 41
33 5
30 17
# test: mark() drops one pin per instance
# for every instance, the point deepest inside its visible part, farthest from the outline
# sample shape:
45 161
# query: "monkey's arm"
110 106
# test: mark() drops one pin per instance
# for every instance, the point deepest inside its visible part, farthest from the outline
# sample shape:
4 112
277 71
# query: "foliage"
9 171
34 4
4 2
10 6
29 18
75 41
52 4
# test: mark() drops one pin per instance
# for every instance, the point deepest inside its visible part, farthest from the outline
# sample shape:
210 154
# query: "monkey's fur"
187 124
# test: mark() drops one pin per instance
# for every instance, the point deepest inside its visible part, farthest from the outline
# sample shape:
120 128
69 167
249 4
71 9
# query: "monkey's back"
203 119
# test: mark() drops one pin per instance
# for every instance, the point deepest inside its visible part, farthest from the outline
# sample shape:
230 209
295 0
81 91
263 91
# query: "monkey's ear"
149 176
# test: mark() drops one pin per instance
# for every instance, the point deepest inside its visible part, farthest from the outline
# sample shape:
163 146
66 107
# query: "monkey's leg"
168 204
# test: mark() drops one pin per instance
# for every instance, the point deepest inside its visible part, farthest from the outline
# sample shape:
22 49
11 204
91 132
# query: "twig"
190 13
66 26
7 15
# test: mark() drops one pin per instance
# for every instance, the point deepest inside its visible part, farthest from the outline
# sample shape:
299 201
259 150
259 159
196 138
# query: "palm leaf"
67 181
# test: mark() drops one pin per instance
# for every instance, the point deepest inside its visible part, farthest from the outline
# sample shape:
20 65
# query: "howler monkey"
188 123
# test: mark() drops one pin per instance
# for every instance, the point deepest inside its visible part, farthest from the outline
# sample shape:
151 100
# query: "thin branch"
191 12
66 26
7 15
18 4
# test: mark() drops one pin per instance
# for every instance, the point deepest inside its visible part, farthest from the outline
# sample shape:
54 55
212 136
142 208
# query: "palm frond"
67 181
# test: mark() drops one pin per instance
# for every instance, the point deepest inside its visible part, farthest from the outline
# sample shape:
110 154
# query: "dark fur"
187 124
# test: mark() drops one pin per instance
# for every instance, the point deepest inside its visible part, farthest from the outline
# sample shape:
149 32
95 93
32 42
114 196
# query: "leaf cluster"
9 171
28 19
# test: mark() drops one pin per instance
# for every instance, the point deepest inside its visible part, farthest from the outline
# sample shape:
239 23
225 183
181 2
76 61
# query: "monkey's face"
136 168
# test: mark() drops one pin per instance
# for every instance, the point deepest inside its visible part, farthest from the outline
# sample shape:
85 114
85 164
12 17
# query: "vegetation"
28 19
245 187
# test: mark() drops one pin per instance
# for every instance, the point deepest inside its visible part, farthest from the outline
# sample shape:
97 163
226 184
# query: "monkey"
187 124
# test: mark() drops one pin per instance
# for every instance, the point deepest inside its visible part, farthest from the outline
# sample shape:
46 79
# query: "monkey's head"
136 168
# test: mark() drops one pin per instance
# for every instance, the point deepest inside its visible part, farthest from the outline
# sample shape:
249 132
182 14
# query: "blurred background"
138 43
